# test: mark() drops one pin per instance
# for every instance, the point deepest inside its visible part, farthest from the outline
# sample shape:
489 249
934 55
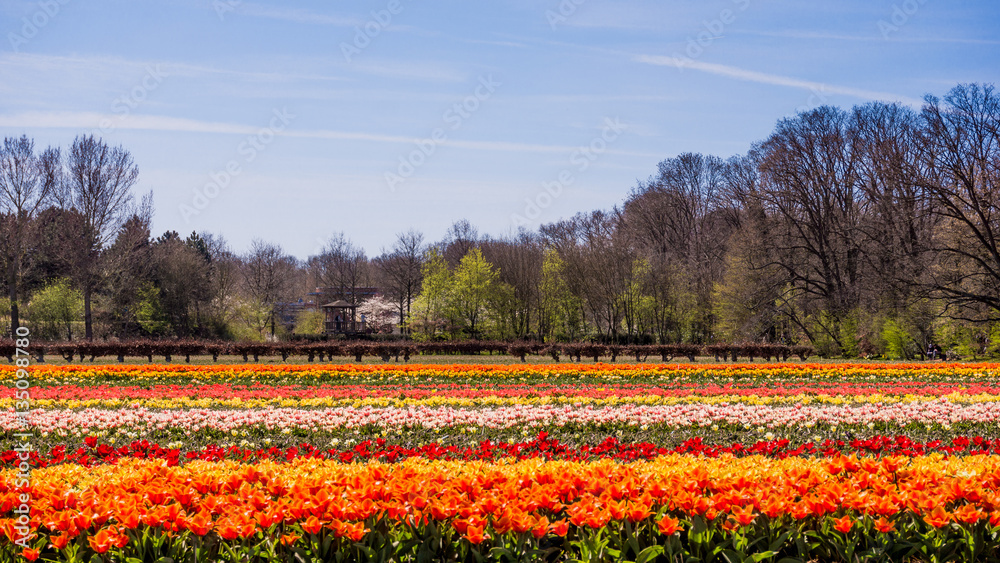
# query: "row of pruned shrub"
398 350
751 351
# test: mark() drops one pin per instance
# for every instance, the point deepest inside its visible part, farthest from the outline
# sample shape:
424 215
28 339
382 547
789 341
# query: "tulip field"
555 462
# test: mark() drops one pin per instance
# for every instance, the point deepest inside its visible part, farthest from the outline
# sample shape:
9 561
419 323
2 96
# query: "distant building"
339 306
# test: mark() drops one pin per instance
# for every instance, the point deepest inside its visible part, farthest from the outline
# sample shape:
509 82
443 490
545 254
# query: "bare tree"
100 180
24 190
266 274
810 183
519 261
598 265
961 150
460 238
401 269
900 220
341 266
680 221
224 281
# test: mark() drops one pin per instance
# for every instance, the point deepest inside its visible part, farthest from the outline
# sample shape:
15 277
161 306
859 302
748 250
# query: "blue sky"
292 121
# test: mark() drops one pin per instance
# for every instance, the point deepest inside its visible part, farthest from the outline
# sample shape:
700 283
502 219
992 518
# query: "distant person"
339 321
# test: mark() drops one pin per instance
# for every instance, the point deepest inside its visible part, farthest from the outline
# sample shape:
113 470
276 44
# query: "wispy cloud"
428 71
775 79
106 67
875 36
90 121
296 15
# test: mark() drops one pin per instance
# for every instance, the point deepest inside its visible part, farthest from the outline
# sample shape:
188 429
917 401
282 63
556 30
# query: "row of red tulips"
93 452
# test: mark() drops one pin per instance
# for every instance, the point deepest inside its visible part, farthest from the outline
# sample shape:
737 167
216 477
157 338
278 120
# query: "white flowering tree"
380 314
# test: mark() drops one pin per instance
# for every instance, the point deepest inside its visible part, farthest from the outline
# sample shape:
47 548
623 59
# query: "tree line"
871 231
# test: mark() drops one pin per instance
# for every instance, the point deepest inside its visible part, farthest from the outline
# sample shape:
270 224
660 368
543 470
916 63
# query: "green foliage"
502 307
251 320
55 308
309 322
150 314
427 314
457 303
720 539
560 316
898 342
961 338
631 300
472 283
848 332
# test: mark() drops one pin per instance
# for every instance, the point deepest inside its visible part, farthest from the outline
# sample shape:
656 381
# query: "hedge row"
168 349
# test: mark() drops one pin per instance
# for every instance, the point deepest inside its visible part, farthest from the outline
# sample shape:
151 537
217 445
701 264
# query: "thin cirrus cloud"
102 67
875 36
92 121
295 15
775 79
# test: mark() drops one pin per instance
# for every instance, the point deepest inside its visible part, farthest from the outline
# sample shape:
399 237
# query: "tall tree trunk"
88 324
15 321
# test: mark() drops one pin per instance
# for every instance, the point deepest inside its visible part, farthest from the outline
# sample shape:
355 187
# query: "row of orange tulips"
676 505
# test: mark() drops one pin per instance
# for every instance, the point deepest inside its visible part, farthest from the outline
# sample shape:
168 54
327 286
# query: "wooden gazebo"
341 318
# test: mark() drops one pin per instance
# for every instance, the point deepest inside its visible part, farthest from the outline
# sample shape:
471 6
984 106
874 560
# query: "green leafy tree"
502 307
427 315
56 307
474 279
560 312
309 322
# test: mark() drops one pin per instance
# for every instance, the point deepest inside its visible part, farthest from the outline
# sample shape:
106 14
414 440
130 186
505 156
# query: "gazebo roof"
339 304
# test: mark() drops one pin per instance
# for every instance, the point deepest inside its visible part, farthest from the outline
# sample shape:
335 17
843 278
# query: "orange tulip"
668 525
227 529
475 534
540 528
356 531
968 514
101 541
843 524
312 525
30 554
130 519
885 526
800 511
200 524
289 539
638 513
60 541
744 516
938 518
